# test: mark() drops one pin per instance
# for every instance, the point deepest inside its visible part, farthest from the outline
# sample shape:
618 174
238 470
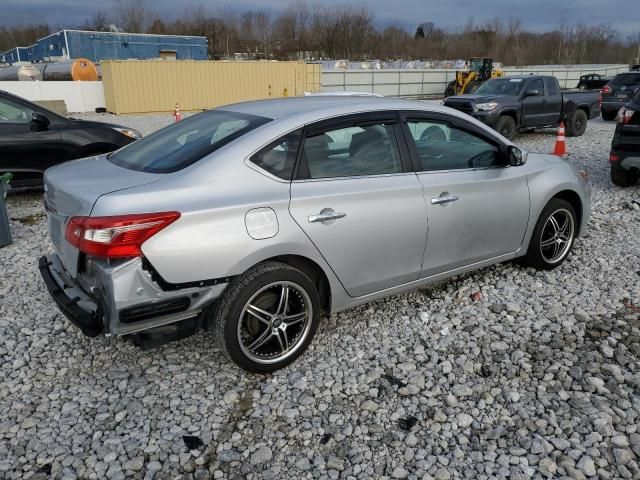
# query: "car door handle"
326 214
444 199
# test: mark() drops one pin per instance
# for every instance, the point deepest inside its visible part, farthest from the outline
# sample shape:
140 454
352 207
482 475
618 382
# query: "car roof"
281 107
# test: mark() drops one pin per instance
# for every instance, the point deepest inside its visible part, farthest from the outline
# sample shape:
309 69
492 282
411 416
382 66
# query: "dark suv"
33 139
625 148
617 92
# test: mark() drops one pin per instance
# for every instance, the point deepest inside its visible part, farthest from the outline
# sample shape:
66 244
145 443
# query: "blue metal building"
18 54
98 46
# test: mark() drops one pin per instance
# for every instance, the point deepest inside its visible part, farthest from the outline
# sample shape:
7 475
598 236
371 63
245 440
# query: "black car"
593 81
617 92
625 147
523 103
33 139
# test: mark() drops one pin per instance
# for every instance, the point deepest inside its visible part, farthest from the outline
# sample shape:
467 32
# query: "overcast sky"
623 15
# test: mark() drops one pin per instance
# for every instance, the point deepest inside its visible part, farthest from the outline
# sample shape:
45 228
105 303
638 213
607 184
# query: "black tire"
450 91
582 86
577 123
624 178
506 126
608 116
472 87
262 284
538 255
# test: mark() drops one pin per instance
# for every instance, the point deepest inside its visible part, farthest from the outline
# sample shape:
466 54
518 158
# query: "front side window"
352 151
180 144
13 112
443 147
536 85
279 157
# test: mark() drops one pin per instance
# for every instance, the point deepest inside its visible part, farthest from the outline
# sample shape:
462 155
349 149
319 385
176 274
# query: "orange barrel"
80 69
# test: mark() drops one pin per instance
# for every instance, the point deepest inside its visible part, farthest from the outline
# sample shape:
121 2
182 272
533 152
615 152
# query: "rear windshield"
501 86
626 79
183 143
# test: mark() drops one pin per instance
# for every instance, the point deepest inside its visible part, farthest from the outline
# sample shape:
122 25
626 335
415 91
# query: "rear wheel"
267 317
472 87
624 178
577 123
450 90
608 116
553 236
506 126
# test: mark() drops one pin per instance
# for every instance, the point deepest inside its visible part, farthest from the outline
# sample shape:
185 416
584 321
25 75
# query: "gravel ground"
538 378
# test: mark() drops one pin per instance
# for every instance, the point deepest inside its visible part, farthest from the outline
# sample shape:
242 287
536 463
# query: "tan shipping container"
144 86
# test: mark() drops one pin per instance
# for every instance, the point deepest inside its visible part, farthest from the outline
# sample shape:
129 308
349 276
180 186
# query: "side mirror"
516 156
532 93
39 121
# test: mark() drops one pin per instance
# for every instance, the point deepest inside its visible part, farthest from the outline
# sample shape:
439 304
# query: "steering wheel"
434 134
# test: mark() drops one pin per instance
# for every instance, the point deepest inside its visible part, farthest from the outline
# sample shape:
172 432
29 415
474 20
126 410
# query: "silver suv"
255 218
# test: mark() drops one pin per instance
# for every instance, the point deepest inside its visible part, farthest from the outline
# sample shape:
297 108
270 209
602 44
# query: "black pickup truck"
524 103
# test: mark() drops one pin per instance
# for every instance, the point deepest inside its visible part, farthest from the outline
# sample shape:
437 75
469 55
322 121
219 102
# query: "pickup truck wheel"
553 236
577 123
624 178
608 116
506 126
267 317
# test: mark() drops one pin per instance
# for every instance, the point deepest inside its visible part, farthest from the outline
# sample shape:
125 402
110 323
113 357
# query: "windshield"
626 79
501 86
183 143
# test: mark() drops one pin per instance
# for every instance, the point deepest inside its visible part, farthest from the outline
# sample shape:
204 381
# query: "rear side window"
183 143
552 86
279 157
626 79
352 151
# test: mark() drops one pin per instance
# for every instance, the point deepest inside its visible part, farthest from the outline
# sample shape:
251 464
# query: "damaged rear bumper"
121 299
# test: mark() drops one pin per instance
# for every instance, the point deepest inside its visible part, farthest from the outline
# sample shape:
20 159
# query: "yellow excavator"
477 71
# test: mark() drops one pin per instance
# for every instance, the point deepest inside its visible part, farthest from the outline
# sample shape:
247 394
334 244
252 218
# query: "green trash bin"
5 232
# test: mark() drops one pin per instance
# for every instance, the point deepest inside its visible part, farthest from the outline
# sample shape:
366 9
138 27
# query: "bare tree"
132 15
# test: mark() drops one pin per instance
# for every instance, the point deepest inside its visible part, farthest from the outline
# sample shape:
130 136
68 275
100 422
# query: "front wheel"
553 236
267 317
506 126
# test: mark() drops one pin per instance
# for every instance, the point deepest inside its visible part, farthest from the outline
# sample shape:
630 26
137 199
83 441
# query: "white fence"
87 96
78 96
432 82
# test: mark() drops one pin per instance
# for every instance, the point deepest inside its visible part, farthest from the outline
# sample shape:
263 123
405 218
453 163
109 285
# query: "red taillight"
624 115
118 236
606 90
613 158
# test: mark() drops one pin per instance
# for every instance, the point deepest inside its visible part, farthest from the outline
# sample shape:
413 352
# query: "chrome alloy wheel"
557 236
275 322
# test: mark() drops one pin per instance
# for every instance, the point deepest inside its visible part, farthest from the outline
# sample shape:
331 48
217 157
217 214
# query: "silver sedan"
255 219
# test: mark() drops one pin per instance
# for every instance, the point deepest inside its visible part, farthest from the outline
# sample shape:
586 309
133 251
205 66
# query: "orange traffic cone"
561 148
176 113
